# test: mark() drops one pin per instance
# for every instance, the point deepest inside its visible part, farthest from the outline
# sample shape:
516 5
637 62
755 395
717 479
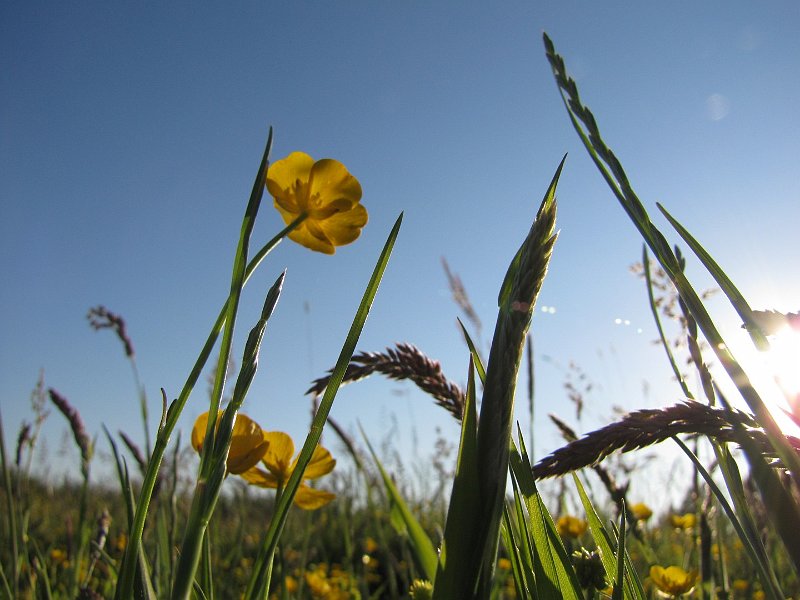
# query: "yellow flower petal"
247 445
260 477
199 431
278 457
321 463
332 186
308 498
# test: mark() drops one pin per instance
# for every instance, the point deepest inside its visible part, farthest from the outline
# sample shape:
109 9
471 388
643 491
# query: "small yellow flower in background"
280 466
759 595
503 564
325 192
569 526
247 443
673 581
370 545
740 585
686 521
641 511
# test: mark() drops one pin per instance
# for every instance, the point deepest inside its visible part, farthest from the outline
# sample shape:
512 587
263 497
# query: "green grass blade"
654 309
423 548
632 587
473 350
451 580
619 581
726 285
260 583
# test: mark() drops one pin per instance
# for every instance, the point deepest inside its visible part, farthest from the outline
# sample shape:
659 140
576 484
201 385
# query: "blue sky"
131 134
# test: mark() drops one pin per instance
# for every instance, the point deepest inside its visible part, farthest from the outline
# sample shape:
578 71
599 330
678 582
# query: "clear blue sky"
131 134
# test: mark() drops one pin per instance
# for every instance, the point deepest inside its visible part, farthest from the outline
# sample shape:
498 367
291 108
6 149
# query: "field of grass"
259 517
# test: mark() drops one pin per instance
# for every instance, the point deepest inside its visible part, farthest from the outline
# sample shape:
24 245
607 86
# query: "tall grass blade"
451 580
259 584
726 285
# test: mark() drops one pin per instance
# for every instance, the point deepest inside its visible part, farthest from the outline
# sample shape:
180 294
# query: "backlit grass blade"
458 542
421 544
259 584
632 587
654 309
726 285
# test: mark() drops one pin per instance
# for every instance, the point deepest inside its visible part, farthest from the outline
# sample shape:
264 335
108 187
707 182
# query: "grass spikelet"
404 361
646 427
78 430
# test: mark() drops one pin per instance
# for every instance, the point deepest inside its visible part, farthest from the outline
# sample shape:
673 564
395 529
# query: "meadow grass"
173 528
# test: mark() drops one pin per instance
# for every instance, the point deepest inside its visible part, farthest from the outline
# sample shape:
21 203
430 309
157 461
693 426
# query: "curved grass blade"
729 289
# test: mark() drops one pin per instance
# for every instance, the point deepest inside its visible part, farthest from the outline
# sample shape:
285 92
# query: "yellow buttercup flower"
673 581
325 192
686 521
641 511
280 466
247 443
569 526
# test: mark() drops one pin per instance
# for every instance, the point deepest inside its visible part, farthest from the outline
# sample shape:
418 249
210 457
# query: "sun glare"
783 361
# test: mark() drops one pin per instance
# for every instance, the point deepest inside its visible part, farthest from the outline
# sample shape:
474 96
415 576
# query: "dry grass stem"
645 427
404 361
